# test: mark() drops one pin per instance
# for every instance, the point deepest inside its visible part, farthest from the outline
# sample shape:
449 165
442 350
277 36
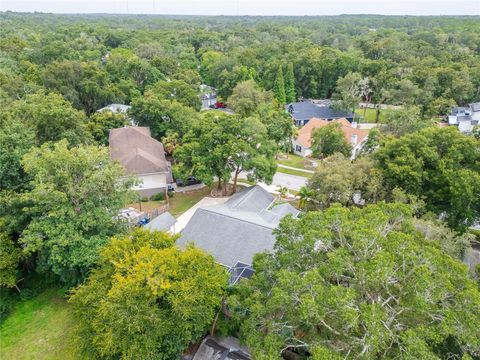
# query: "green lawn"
181 202
39 328
370 115
294 172
294 161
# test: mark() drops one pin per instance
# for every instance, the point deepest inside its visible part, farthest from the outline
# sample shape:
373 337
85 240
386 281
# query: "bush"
171 193
144 199
7 301
158 197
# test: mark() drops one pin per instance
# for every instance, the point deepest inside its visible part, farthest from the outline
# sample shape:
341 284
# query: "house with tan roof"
142 156
353 135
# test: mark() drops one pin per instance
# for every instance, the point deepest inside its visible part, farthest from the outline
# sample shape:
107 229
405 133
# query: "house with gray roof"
163 222
301 112
233 232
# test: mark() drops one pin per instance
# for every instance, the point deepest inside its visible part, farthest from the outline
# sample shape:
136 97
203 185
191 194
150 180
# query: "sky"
248 7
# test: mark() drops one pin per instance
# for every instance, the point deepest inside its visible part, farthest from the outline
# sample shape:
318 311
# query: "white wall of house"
465 126
151 181
476 115
300 150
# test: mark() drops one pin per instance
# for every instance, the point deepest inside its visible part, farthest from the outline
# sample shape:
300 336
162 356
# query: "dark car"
189 181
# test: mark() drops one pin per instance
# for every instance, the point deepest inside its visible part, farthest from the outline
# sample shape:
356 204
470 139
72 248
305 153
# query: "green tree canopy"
100 123
329 140
147 299
279 87
348 92
51 117
361 284
162 116
247 98
290 84
339 180
439 165
219 144
178 90
73 205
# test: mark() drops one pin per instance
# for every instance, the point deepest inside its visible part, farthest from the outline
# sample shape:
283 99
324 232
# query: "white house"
143 156
466 118
353 135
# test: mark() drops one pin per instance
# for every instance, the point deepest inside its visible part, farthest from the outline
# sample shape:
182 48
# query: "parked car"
189 181
218 105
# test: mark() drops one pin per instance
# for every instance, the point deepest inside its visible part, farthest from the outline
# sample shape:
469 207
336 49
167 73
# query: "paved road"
292 182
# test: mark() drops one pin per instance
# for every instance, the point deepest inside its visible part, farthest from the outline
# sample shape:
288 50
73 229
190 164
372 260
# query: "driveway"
292 182
183 219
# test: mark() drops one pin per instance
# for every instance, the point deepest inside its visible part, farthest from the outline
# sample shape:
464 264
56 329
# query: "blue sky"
249 7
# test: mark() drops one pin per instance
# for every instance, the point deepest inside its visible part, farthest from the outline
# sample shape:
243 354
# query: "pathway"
296 169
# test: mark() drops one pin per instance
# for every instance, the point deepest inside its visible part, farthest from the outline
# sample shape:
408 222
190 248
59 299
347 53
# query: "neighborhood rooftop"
137 151
237 229
303 111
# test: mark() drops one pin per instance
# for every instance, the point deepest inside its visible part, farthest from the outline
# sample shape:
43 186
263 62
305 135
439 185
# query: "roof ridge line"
232 217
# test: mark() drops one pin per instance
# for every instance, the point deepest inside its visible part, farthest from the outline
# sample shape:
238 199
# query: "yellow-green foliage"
148 299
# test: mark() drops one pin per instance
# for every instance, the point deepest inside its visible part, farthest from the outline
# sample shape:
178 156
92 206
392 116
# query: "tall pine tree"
290 84
279 87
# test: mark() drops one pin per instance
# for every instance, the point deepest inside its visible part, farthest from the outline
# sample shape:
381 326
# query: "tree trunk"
219 186
235 178
377 114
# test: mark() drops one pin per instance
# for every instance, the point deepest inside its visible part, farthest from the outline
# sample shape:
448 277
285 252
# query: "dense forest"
372 268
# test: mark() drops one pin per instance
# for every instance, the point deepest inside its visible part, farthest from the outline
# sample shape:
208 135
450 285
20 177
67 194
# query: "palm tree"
306 198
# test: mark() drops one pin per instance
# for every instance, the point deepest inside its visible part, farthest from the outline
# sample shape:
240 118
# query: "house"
163 222
301 112
353 135
142 156
116 108
465 118
234 231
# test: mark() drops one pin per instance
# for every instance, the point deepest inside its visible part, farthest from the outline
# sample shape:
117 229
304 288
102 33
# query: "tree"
280 127
404 121
279 87
290 84
15 139
347 95
100 123
358 283
178 90
440 165
247 98
329 140
51 117
11 256
74 202
161 115
84 84
306 201
339 180
220 144
149 296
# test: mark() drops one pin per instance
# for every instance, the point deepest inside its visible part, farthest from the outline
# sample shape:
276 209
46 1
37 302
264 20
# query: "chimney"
353 140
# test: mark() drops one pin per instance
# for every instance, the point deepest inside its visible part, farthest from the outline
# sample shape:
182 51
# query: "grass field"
370 115
39 328
294 161
294 172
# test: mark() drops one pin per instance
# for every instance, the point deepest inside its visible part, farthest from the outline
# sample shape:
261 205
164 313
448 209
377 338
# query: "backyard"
39 328
179 202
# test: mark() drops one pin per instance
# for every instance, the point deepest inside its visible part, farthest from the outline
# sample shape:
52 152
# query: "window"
298 148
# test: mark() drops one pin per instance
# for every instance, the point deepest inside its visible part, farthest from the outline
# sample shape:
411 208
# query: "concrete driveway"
292 182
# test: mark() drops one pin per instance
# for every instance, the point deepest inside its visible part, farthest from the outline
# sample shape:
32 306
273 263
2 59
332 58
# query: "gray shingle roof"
305 110
162 222
237 229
